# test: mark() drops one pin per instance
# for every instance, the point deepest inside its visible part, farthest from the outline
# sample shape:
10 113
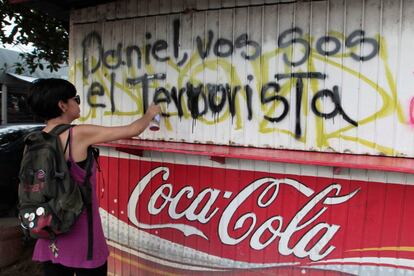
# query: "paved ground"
24 266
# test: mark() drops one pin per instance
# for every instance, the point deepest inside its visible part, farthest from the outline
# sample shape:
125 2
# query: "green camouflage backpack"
50 200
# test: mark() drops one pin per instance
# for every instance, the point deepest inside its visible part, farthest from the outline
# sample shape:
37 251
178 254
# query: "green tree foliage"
48 36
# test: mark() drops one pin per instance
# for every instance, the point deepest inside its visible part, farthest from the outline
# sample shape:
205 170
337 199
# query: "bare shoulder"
88 129
81 131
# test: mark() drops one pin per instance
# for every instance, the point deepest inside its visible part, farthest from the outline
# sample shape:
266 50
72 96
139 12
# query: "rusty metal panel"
330 76
167 213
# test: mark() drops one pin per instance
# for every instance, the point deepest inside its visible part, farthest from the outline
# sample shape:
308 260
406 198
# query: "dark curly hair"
45 94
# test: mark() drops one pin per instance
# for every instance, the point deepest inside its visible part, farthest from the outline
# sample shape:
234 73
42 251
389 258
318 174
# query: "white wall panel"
347 62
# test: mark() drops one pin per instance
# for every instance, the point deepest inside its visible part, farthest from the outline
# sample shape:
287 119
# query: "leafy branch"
48 36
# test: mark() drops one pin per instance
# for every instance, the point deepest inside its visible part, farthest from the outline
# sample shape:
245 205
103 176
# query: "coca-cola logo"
201 208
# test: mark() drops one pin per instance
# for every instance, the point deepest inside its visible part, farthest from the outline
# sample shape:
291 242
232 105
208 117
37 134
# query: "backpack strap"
60 128
67 143
86 190
88 201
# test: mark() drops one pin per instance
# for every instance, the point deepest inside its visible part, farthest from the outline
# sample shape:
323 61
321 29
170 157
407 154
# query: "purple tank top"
73 246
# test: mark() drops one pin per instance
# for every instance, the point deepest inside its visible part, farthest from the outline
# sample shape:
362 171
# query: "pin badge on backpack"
41 175
31 217
40 211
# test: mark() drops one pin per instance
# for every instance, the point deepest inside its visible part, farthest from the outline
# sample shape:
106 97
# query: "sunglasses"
77 99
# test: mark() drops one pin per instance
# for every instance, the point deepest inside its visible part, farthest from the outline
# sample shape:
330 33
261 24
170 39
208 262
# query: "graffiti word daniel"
260 234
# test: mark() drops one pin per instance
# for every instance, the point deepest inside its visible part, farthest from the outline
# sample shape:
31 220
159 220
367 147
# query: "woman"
56 101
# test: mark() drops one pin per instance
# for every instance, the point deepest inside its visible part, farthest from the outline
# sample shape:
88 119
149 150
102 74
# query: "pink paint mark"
411 115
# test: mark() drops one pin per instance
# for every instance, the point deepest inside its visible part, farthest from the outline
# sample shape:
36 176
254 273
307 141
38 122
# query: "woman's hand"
153 110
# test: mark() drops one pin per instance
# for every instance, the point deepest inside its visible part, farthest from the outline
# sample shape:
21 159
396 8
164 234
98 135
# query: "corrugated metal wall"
321 75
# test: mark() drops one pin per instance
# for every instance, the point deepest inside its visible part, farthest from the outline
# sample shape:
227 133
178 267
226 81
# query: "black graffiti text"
95 55
217 98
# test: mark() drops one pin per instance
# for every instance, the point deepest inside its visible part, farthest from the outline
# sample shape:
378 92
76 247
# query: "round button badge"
40 211
32 216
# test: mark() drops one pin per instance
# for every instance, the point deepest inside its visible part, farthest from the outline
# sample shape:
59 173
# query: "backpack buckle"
59 175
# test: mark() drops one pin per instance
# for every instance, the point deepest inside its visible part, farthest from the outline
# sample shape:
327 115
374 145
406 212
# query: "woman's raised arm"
94 134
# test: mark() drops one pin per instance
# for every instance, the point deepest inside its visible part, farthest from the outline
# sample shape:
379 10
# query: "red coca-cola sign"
216 218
